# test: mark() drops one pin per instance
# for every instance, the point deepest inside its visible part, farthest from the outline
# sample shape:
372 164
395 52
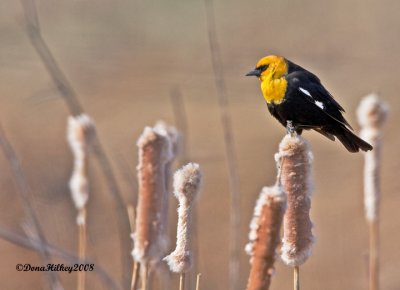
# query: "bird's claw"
290 128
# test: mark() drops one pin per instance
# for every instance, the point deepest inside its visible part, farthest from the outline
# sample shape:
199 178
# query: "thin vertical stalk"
198 281
373 255
296 278
180 116
145 276
234 183
182 281
82 248
136 266
135 275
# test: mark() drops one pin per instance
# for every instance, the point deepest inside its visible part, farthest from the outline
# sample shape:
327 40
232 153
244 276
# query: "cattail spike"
79 133
372 114
264 236
294 159
187 183
150 240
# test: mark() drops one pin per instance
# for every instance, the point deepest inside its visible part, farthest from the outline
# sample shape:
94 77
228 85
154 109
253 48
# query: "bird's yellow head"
271 66
271 71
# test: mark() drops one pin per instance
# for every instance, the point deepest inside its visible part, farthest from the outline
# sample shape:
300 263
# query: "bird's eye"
262 68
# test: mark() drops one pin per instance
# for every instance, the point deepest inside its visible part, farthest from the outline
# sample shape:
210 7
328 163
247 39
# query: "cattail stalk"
136 266
294 159
187 183
229 142
296 278
150 240
264 236
80 130
198 281
372 114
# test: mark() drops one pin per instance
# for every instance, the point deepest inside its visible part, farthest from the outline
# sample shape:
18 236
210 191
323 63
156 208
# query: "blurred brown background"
124 57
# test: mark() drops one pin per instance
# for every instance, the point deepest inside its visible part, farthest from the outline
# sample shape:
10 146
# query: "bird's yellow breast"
273 89
273 81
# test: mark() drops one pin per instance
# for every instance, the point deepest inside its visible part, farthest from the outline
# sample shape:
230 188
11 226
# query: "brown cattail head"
187 182
372 114
79 133
294 159
150 240
264 236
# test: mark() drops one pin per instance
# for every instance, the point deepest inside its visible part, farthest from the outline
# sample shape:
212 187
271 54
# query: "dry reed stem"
234 181
135 275
150 240
372 114
264 236
295 158
182 281
132 217
198 281
373 267
187 182
180 117
136 266
145 271
296 278
82 248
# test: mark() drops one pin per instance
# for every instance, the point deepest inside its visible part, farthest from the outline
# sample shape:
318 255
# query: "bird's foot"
290 128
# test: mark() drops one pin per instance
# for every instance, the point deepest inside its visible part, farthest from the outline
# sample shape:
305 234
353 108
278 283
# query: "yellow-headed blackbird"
296 95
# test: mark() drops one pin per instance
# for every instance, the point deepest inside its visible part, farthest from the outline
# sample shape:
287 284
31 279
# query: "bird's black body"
308 105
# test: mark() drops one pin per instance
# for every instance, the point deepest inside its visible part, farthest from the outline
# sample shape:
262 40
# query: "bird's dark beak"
254 72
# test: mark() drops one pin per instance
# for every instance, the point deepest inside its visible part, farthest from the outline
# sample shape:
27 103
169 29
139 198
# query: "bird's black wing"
313 91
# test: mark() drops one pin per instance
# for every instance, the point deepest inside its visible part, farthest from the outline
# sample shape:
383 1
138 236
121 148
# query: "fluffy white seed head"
149 136
80 131
294 160
372 114
187 182
264 236
268 195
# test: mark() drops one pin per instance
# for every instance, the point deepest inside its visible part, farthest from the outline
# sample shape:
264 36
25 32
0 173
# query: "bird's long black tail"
352 142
